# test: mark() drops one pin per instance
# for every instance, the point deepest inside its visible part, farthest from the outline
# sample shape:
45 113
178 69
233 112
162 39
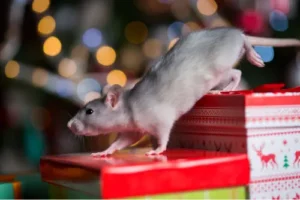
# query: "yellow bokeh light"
46 25
172 43
52 46
152 48
116 77
207 7
40 6
219 23
91 96
136 32
106 55
39 77
67 67
193 25
12 69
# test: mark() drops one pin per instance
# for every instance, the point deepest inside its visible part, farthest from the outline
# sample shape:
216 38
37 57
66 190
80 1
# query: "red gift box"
132 173
263 122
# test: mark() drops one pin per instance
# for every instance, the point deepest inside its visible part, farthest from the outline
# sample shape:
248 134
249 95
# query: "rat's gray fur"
197 63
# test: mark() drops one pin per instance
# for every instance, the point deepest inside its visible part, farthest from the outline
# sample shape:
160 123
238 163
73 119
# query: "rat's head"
104 115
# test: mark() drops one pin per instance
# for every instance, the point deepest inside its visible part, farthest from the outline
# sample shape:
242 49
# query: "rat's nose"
73 126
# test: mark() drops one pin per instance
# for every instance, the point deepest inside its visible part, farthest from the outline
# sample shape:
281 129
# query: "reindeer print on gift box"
265 158
297 159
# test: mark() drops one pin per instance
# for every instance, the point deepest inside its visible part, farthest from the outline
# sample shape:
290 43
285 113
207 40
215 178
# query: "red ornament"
252 21
284 142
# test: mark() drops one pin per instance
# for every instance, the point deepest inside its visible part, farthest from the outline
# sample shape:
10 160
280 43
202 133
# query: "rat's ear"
105 89
113 94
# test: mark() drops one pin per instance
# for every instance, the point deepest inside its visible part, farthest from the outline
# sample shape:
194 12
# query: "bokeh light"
39 77
65 87
136 32
106 55
92 38
40 6
116 77
278 21
67 67
252 21
46 25
52 46
152 48
281 5
207 7
219 22
12 69
193 26
172 43
90 96
87 85
175 30
266 53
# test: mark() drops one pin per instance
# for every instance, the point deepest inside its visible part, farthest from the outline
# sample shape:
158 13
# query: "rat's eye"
89 111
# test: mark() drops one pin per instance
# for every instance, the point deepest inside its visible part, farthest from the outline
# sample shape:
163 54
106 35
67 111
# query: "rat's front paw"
102 154
156 151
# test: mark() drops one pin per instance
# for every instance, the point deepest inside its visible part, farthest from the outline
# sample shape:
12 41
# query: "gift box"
23 186
267 106
132 174
263 122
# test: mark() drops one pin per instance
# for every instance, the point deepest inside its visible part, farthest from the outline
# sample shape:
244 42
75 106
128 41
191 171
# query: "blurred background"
56 55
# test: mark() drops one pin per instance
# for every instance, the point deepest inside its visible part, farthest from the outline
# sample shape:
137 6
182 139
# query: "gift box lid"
267 94
131 173
266 106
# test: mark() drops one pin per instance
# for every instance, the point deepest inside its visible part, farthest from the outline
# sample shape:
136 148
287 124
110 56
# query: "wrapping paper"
132 174
265 106
272 152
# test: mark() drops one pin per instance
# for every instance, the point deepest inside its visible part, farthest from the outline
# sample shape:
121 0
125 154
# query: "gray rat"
197 63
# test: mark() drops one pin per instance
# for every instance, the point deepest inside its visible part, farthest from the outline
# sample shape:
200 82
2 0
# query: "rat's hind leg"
231 81
122 141
253 57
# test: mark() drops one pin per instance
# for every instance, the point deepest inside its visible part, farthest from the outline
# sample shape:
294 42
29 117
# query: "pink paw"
155 152
255 59
102 154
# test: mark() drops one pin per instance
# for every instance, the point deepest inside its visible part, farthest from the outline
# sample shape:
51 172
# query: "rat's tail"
261 41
